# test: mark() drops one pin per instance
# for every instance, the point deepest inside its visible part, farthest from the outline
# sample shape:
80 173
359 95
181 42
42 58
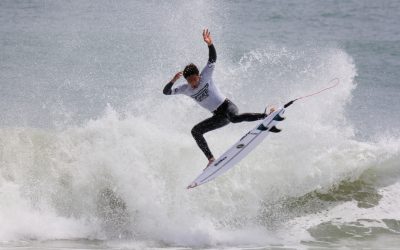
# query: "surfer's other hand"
176 77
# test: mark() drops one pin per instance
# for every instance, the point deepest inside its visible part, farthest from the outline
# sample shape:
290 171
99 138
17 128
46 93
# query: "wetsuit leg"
233 116
214 122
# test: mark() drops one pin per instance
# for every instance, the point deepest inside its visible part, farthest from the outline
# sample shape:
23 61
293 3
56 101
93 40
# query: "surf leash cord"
315 93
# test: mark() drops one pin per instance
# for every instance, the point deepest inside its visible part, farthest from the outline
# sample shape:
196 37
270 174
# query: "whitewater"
93 155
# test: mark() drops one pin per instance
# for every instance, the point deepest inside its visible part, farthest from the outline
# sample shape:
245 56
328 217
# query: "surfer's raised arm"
191 72
208 70
212 53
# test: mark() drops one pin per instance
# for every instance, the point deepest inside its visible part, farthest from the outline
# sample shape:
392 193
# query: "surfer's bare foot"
210 161
271 110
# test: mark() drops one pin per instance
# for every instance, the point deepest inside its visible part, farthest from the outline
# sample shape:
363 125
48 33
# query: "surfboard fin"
262 127
279 118
275 130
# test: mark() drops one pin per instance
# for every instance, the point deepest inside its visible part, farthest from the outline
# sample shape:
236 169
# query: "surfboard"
240 149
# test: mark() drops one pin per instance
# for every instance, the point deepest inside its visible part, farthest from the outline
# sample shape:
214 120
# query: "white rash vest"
207 93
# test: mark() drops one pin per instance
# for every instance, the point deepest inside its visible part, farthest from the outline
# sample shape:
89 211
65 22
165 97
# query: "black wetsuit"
225 113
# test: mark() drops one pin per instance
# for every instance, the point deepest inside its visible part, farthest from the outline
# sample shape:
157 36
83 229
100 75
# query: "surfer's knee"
232 113
196 131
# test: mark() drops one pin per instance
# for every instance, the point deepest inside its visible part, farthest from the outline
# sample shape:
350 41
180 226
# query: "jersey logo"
202 94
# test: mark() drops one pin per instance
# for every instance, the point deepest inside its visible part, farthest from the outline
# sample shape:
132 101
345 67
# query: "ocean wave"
124 175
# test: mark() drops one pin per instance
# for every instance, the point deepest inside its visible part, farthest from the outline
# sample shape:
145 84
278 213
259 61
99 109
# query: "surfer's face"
193 80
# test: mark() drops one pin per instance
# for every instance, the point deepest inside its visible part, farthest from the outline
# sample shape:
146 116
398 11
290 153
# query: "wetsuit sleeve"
212 58
168 90
212 54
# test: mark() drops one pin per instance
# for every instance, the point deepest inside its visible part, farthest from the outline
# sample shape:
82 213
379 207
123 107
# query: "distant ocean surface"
94 156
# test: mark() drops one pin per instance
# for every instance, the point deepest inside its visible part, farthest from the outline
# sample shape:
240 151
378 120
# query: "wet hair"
189 70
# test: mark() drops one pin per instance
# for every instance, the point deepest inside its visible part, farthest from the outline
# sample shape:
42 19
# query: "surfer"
202 89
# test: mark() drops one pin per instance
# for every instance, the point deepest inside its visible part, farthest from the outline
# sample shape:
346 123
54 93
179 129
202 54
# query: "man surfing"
202 89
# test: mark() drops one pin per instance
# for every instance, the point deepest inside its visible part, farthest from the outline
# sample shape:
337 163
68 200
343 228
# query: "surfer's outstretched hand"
176 77
207 37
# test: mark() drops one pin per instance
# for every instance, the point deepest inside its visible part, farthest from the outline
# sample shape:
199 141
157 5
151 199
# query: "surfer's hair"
189 70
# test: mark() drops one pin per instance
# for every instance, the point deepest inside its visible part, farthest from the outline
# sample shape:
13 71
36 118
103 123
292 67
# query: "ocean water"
94 156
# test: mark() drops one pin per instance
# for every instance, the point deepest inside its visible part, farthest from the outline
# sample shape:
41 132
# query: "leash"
315 93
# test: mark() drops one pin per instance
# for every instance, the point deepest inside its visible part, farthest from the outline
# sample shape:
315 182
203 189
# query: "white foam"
56 180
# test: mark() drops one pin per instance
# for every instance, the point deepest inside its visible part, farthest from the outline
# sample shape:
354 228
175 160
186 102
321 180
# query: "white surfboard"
240 149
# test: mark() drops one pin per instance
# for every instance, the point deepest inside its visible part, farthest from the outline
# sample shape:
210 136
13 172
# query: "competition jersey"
207 93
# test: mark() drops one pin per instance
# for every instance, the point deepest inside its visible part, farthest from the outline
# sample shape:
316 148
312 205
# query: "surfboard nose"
193 185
